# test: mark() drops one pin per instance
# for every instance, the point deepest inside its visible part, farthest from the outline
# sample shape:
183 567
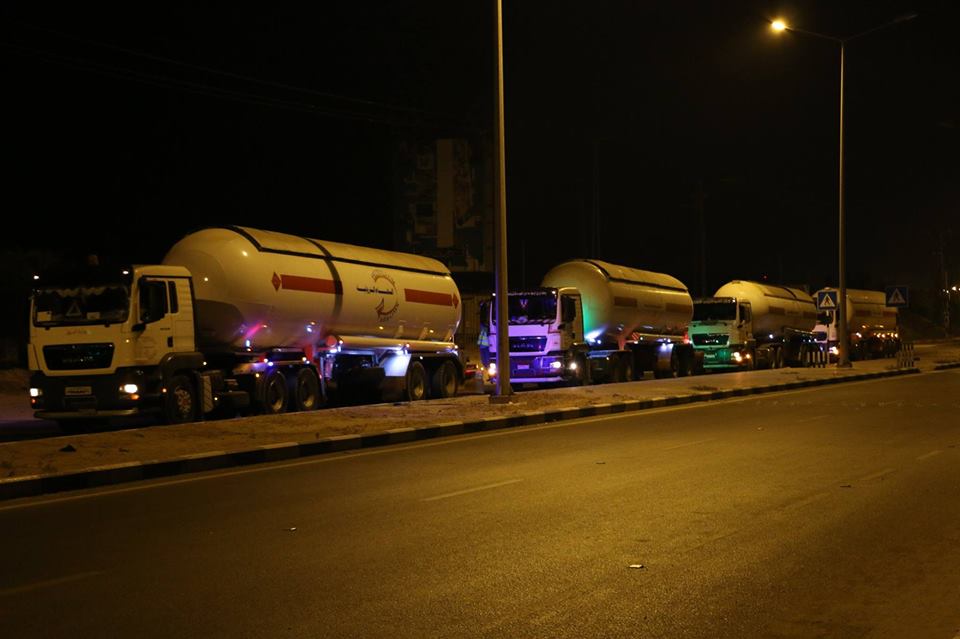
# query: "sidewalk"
38 466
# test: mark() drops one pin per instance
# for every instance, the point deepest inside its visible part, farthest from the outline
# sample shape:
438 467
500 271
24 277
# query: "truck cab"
101 339
722 329
547 343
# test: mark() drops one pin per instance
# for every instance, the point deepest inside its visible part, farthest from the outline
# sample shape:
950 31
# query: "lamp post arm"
904 18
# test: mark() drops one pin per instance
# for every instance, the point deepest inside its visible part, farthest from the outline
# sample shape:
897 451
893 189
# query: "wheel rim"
449 380
274 396
307 394
183 402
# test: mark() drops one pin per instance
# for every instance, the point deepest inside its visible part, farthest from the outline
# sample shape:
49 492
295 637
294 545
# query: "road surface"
827 512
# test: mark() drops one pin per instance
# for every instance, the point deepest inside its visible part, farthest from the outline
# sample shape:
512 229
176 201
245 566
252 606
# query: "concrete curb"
943 367
98 476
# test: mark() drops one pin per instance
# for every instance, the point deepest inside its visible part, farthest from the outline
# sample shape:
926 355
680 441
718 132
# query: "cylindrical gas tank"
619 301
774 307
866 308
261 289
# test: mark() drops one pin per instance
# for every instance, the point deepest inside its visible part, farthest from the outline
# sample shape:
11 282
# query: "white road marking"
885 471
929 455
699 441
16 590
810 419
800 503
472 490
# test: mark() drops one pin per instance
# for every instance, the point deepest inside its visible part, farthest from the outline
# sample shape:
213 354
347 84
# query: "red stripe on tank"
310 284
430 297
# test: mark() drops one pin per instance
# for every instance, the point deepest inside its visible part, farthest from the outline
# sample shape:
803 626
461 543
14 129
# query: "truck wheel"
445 382
305 390
416 387
674 369
180 402
273 394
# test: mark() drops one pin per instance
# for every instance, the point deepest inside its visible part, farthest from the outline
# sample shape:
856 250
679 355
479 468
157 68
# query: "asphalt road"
827 512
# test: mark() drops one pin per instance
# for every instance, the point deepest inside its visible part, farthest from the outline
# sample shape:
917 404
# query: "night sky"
133 124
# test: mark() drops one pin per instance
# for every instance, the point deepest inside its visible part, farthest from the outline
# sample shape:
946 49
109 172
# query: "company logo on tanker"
384 286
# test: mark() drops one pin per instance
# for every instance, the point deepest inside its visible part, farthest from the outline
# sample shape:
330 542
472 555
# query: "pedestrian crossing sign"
898 296
827 300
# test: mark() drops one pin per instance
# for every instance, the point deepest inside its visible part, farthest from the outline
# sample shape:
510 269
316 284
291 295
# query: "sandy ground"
59 454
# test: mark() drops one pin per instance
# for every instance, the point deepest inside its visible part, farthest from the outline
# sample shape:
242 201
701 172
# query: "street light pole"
503 390
843 336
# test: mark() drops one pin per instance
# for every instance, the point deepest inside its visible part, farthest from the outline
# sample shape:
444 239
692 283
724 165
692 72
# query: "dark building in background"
444 210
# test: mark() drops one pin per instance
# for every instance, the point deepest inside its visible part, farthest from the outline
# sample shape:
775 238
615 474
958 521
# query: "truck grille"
71 357
527 344
710 339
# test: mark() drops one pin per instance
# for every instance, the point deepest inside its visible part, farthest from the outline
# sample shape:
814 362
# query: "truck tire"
444 382
180 401
416 383
674 369
305 390
273 394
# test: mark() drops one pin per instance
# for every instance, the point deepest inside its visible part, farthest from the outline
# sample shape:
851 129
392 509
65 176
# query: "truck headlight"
492 369
130 389
556 364
737 357
35 392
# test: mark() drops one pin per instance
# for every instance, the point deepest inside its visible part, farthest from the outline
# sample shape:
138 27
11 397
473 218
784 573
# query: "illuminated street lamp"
843 339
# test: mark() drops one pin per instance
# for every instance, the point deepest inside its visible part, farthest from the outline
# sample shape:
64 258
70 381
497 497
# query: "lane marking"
932 453
806 501
444 441
699 441
810 419
472 490
16 590
885 471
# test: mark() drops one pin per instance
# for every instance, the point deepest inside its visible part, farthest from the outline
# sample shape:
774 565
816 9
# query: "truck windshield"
714 311
533 308
102 304
87 294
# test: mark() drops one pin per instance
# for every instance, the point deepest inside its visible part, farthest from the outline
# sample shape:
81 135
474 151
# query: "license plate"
78 391
710 356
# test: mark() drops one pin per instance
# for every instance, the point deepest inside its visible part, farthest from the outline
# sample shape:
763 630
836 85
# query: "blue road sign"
827 300
898 296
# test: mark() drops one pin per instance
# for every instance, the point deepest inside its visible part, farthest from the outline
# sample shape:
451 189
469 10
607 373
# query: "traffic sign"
827 300
898 296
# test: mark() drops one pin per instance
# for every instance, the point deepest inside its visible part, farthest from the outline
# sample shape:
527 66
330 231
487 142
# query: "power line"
211 91
230 74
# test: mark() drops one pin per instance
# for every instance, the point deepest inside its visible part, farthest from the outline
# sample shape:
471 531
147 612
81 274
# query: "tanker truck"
240 319
871 324
592 322
747 325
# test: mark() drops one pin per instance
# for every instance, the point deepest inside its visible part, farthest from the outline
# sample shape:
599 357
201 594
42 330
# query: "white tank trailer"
755 325
246 319
871 324
592 321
